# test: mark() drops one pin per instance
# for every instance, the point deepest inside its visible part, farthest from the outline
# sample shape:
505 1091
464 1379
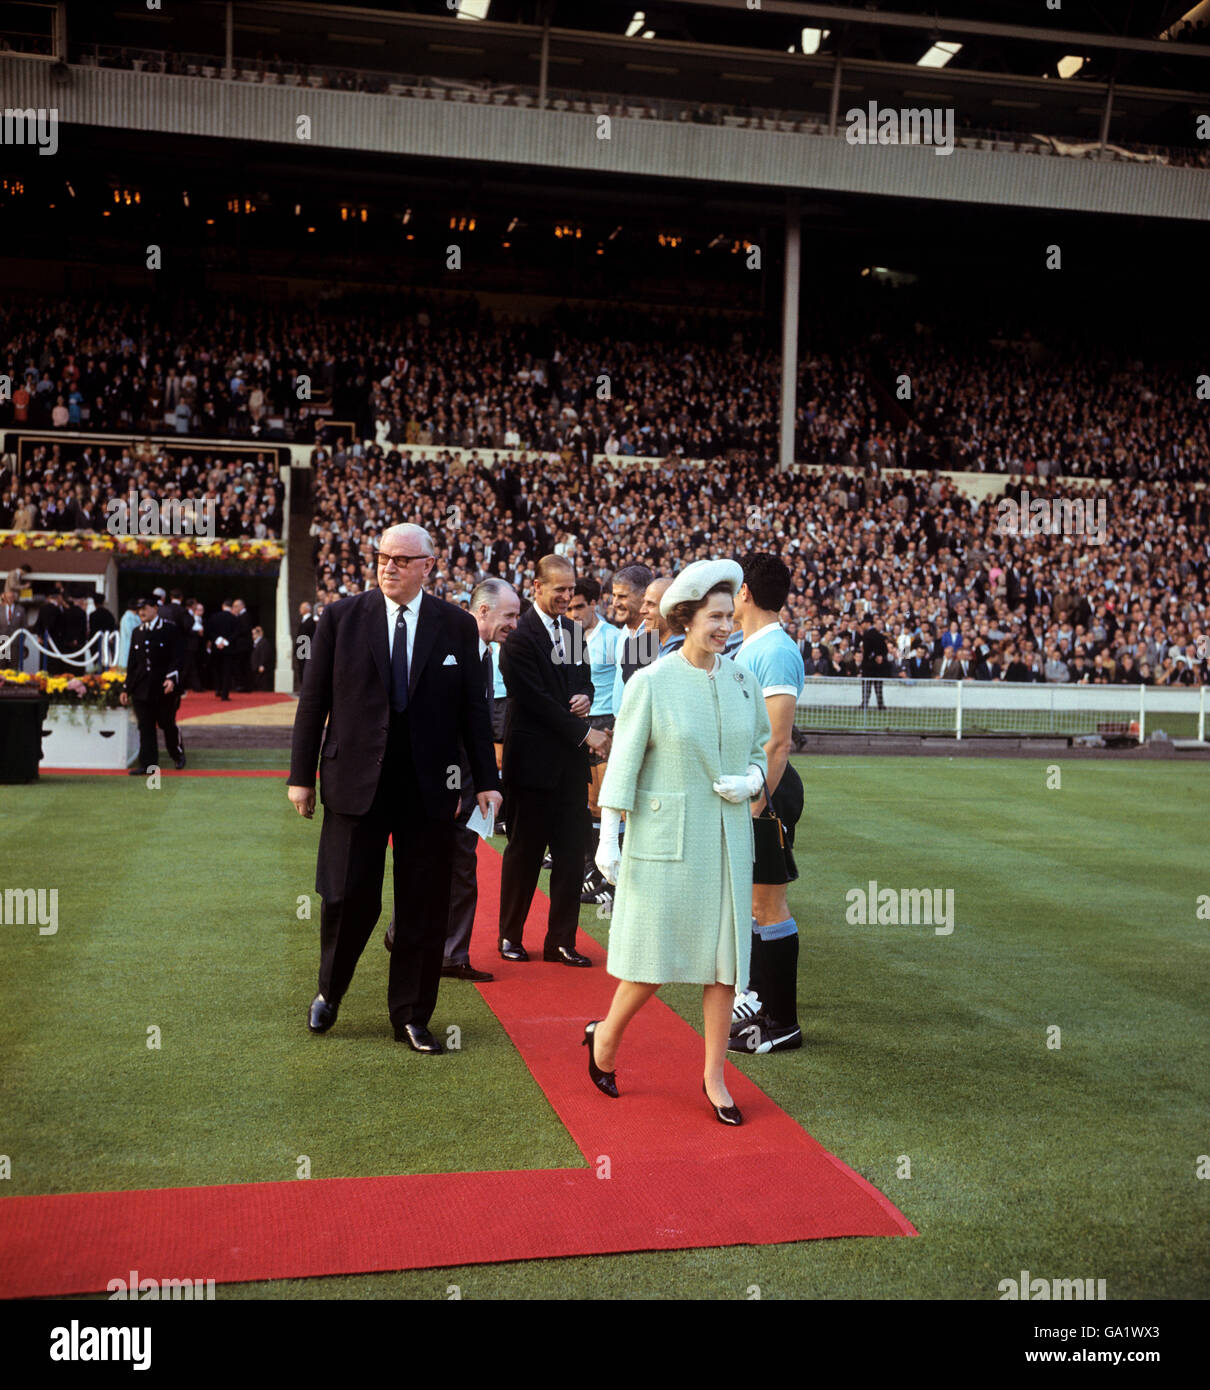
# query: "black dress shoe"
388 936
322 1015
136 772
179 760
419 1039
565 955
510 952
451 970
604 1081
725 1114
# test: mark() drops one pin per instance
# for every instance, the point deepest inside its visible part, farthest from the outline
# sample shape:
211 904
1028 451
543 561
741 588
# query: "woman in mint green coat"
687 757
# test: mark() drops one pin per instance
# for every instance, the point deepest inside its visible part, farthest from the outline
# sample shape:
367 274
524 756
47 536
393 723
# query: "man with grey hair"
633 649
393 695
495 608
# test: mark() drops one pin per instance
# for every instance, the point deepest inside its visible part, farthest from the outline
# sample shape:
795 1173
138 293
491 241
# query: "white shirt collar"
482 648
413 607
774 626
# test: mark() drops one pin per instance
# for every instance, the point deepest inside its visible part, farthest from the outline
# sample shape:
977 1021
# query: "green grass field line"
1074 907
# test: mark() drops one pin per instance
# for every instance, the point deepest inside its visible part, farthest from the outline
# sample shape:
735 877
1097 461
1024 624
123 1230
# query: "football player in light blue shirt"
600 643
772 656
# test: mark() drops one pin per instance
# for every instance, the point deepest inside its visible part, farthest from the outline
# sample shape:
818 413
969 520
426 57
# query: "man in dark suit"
73 628
12 620
172 610
393 690
220 630
547 739
241 647
953 666
302 640
153 676
494 607
50 617
875 661
262 661
919 667
194 628
101 620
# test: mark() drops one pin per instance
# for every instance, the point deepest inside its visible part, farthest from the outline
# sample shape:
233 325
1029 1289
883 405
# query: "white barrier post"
1142 709
1201 718
958 711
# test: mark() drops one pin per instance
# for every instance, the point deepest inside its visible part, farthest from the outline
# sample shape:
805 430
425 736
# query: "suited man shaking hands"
393 694
545 768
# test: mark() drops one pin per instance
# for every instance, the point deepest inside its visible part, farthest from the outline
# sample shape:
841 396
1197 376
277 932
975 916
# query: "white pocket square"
450 660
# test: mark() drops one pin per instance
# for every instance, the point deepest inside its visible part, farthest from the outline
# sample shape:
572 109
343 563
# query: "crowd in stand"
449 374
446 374
71 486
946 580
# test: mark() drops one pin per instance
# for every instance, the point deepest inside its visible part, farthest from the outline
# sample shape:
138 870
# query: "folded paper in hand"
482 825
221 642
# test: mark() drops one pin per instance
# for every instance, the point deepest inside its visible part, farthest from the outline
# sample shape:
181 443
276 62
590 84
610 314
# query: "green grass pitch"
1076 908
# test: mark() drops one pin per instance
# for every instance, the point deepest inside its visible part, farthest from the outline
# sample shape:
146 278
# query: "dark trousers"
464 892
536 819
352 856
866 682
189 671
222 672
158 709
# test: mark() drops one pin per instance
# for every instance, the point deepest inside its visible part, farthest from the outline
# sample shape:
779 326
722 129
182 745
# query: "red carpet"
195 704
677 1180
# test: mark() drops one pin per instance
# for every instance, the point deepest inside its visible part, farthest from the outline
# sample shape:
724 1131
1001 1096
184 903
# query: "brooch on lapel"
740 679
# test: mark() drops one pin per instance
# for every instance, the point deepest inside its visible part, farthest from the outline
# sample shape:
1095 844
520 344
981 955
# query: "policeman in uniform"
153 685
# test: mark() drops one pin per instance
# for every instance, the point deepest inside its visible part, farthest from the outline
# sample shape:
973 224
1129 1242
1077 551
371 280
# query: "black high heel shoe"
726 1114
604 1081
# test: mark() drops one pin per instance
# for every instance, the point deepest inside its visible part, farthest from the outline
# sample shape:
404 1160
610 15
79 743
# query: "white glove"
609 856
742 788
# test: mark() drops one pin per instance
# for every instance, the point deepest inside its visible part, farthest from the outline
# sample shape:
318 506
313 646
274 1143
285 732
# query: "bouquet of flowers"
98 689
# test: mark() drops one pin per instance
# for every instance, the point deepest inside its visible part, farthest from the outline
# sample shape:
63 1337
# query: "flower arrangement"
166 553
97 689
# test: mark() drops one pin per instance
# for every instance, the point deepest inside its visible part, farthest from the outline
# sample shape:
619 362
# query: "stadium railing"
616 104
979 709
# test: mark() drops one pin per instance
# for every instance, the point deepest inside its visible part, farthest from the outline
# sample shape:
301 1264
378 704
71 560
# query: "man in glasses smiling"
392 688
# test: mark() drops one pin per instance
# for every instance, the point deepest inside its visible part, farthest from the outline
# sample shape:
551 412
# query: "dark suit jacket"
222 624
873 646
243 633
469 786
543 740
345 705
262 655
